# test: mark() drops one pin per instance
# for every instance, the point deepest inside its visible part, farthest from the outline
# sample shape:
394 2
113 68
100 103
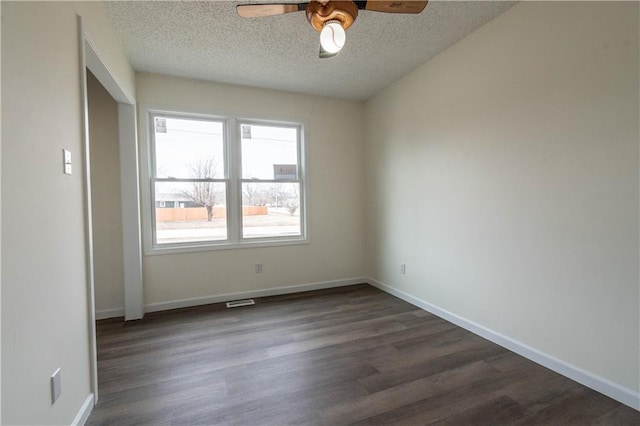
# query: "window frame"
153 179
299 180
232 147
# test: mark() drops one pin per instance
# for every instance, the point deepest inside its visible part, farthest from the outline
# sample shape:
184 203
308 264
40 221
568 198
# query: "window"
270 181
216 182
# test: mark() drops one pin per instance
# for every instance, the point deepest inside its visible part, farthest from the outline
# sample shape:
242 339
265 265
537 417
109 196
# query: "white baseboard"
197 301
595 382
109 313
85 411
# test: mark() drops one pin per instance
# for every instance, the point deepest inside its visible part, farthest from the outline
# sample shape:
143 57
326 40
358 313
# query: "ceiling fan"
330 17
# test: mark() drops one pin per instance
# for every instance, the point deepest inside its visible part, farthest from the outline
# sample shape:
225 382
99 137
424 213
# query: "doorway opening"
93 68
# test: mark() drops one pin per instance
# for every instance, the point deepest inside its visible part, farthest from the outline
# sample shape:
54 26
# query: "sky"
187 141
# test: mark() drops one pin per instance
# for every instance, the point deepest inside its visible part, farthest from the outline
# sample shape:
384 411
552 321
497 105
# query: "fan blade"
393 6
259 10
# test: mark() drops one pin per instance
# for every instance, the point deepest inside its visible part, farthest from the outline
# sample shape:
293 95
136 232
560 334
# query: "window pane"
269 152
270 209
190 212
189 148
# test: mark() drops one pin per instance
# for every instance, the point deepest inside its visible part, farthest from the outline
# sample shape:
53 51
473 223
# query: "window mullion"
234 209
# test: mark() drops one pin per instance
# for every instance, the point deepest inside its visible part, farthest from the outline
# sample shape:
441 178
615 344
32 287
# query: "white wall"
105 198
44 283
0 220
504 173
101 33
335 182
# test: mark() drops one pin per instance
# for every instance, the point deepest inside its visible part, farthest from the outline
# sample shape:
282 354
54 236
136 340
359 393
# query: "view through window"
193 186
270 185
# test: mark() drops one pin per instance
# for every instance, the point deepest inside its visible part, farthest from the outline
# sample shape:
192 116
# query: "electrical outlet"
403 268
258 268
56 385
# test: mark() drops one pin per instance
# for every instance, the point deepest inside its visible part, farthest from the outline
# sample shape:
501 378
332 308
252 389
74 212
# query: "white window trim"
232 159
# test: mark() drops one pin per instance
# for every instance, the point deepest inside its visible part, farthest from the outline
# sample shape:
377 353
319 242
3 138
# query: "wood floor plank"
335 339
499 411
619 416
328 357
438 407
405 394
413 371
579 405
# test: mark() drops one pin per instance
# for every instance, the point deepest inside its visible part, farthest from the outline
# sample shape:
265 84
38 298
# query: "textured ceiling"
207 40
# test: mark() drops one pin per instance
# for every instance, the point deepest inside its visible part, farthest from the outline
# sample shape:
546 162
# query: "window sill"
194 247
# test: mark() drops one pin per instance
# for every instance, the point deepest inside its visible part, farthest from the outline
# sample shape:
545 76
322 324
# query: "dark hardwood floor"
339 356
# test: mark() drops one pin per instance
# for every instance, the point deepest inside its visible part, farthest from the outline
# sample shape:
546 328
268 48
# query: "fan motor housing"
320 13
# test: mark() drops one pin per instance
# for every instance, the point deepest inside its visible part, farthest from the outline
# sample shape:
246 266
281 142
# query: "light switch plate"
56 385
66 161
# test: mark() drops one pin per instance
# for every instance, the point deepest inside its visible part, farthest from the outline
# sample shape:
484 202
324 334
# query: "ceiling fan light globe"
333 37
